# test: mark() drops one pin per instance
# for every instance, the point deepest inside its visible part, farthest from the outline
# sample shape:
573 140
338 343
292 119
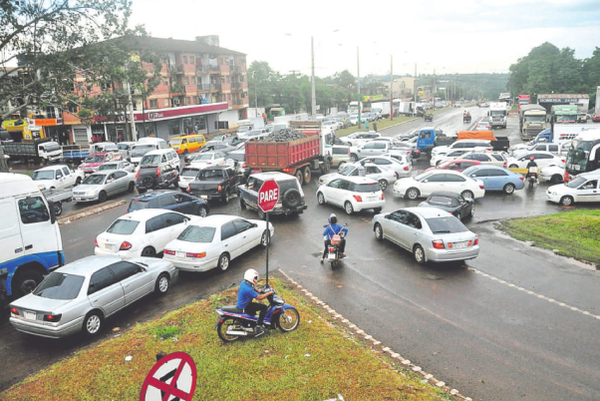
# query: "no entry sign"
172 378
268 195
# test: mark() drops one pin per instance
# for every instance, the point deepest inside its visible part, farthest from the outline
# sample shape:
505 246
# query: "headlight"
91 192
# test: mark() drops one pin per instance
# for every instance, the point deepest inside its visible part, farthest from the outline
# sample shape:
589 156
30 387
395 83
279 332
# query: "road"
516 323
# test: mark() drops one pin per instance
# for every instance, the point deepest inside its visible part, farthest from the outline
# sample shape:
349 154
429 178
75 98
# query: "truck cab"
428 138
59 176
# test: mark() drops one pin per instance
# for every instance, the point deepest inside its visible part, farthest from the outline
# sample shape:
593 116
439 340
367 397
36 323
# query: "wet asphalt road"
515 323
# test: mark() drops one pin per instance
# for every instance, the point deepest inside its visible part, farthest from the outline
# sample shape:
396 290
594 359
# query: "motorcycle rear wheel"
222 330
288 320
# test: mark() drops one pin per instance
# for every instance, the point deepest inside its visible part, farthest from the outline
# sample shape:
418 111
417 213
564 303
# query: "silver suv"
291 197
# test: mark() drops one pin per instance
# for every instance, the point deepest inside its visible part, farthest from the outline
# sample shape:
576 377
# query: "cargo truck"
383 109
38 150
497 115
532 120
299 157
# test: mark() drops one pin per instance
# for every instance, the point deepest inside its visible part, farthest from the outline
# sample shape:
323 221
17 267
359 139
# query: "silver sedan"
81 295
100 185
431 234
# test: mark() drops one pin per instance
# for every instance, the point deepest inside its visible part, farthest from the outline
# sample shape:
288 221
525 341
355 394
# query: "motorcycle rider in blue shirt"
334 229
246 293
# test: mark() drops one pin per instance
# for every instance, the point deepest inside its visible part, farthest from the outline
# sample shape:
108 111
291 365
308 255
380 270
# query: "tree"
51 41
261 83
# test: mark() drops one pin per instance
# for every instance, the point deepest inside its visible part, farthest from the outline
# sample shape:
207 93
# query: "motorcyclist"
532 167
246 293
334 229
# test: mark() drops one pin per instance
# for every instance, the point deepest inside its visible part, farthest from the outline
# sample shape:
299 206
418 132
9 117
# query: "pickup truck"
58 197
57 177
215 183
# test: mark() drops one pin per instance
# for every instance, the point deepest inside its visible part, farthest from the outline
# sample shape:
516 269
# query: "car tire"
566 200
383 184
58 209
223 263
419 254
163 283
149 252
472 211
377 210
513 166
225 197
378 232
102 197
467 195
93 323
354 158
348 208
307 175
320 198
149 182
242 204
131 187
556 179
25 282
264 238
299 176
202 211
78 181
509 189
292 198
412 193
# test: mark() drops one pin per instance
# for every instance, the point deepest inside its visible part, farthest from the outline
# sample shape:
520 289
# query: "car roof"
160 151
88 265
215 219
54 167
358 180
155 194
269 175
145 214
427 212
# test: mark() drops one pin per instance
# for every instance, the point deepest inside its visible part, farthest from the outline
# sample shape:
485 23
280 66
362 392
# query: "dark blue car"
172 200
496 178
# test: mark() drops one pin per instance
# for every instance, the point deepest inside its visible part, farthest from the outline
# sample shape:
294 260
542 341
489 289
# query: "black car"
451 202
169 199
218 182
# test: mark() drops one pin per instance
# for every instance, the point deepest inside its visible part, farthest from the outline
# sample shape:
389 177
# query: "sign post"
268 195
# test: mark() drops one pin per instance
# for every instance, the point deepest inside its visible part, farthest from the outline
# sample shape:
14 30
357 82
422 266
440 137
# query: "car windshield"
346 169
422 176
150 161
43 175
137 204
576 182
189 172
440 200
175 141
94 179
123 227
197 234
51 147
123 146
203 157
368 187
108 166
94 159
446 225
60 286
141 150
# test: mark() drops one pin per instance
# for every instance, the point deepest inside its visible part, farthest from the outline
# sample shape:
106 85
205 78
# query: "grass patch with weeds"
575 234
315 362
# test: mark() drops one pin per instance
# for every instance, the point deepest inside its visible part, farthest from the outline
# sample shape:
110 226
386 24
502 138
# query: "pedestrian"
366 124
264 116
375 126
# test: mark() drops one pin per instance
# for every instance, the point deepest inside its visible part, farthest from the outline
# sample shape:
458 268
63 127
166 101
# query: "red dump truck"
298 157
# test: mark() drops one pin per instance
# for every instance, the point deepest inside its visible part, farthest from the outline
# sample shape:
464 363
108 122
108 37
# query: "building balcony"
208 68
176 68
177 89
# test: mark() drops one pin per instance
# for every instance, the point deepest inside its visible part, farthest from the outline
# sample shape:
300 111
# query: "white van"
30 236
145 145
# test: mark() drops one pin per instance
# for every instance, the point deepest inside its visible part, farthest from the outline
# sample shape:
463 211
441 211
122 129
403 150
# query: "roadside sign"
173 377
268 195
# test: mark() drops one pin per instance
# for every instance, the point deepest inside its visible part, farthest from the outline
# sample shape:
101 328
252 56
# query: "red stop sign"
268 195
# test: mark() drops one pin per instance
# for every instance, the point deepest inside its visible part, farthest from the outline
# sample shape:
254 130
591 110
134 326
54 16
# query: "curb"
370 341
97 210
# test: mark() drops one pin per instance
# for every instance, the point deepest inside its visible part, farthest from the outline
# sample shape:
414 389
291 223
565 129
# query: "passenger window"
413 221
101 279
66 171
33 210
154 224
124 269
166 200
120 174
227 230
242 225
172 219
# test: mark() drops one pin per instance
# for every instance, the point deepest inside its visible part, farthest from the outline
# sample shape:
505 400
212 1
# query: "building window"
191 59
50 112
174 128
229 96
165 81
166 102
184 59
186 80
153 103
72 108
193 80
222 80
241 78
187 101
228 79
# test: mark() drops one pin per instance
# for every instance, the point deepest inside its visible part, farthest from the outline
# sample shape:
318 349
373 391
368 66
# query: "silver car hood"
84 188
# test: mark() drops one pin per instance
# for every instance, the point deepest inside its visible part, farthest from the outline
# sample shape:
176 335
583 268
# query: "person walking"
375 126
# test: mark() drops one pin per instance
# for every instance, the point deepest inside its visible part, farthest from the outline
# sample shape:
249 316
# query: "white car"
353 194
384 176
57 177
489 158
542 159
553 173
253 134
187 175
117 165
584 188
470 144
399 163
522 148
208 159
215 241
442 158
424 184
360 138
143 232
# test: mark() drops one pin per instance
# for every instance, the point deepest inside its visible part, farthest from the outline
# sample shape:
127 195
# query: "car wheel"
307 175
264 238
467 195
378 232
566 200
509 189
348 208
383 184
242 204
377 210
556 179
149 252
412 193
320 198
25 282
513 166
92 324
225 197
131 187
223 262
354 158
472 211
202 211
162 284
78 181
102 197
58 208
419 254
299 176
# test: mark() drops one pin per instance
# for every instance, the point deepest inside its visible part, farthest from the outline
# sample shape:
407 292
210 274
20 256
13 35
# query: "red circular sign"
173 377
268 195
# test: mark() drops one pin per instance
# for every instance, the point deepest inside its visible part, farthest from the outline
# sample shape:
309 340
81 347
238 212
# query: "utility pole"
391 88
130 111
358 71
434 91
294 92
415 84
314 95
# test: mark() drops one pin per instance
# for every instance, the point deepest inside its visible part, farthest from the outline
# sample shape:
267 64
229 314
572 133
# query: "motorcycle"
233 323
532 176
467 118
334 254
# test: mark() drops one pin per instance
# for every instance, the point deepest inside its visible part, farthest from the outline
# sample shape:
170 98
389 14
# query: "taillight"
14 311
476 242
52 318
189 190
288 170
358 198
348 150
195 255
137 175
438 244
168 252
405 168
382 197
158 172
125 246
244 165
96 243
522 178
504 164
481 186
331 249
563 160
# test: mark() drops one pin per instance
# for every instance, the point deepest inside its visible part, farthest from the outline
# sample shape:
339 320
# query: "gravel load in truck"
285 135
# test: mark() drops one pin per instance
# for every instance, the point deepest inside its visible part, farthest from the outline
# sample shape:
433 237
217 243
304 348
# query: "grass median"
314 362
575 234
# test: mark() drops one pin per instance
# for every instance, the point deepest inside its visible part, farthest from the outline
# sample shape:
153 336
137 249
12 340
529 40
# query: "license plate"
459 245
331 256
29 315
204 196
180 254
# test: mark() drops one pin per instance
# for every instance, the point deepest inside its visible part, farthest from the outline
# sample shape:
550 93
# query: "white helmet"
251 275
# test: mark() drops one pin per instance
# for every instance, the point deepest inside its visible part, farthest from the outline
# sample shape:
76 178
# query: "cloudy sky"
464 36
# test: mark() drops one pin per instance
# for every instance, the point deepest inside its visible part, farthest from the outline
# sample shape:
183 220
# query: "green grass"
314 362
574 234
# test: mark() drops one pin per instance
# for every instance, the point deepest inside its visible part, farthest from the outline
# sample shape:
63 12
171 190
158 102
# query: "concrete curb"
68 219
376 345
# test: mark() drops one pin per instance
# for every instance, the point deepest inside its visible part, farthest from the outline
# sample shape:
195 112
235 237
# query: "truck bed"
280 155
73 152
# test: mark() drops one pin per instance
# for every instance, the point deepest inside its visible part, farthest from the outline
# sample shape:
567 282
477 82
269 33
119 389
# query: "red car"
93 161
456 165
596 118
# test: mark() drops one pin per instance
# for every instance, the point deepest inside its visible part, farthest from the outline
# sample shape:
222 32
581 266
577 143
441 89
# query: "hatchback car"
553 173
583 188
496 178
208 159
141 233
187 175
483 126
451 202
353 194
82 294
170 200
99 186
214 241
400 164
430 234
439 180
